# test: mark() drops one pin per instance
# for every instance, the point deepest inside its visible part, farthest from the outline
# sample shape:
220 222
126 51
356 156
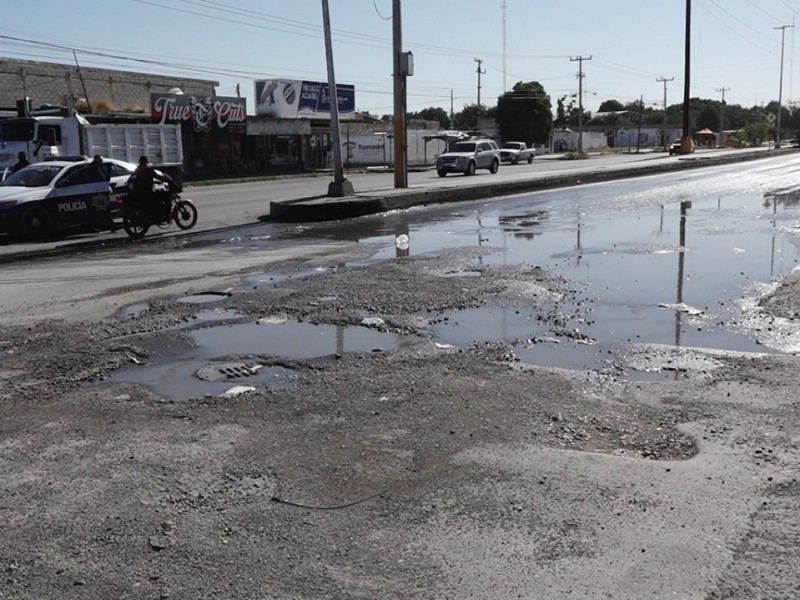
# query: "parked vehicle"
46 197
138 218
676 146
468 156
45 137
514 152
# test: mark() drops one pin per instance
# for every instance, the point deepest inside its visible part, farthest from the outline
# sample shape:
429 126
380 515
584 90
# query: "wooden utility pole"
686 141
399 118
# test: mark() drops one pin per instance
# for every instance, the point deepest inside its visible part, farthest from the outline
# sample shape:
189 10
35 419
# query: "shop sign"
203 112
293 99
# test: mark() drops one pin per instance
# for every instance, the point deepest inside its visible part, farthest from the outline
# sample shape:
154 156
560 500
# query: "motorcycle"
137 218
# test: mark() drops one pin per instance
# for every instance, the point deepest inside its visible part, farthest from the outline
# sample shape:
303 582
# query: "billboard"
203 112
293 99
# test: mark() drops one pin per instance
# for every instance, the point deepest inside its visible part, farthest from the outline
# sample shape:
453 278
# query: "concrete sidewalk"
324 208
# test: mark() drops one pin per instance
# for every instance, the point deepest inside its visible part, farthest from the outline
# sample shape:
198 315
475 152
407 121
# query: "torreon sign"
203 112
290 99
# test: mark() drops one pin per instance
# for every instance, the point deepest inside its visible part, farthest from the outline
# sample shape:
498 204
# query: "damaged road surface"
588 393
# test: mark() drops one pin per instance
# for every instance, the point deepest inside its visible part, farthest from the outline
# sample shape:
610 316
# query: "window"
81 175
50 134
17 130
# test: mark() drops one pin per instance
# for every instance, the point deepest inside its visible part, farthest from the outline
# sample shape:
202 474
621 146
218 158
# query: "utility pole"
686 141
722 115
639 134
480 72
580 60
451 109
340 186
503 8
664 80
399 119
780 88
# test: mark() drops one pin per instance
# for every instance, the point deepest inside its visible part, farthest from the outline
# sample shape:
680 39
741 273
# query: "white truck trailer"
50 137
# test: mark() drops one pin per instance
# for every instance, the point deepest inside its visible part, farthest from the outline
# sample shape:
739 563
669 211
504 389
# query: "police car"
51 196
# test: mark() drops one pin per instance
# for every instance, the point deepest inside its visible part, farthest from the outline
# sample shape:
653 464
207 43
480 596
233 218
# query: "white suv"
468 156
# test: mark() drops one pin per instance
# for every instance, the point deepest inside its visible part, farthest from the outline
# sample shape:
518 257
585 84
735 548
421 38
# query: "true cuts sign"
203 112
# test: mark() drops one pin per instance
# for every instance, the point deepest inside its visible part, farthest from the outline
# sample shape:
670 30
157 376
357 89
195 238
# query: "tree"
525 114
467 119
433 113
611 106
562 109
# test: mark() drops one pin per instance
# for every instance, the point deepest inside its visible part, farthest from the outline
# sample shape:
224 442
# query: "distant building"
109 90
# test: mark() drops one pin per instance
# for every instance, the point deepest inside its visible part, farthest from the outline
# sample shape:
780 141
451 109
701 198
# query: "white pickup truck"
514 152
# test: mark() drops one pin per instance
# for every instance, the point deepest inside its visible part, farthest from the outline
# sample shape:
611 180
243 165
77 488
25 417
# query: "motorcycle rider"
143 179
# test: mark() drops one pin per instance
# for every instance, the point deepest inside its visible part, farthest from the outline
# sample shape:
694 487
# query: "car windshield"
464 147
511 145
32 176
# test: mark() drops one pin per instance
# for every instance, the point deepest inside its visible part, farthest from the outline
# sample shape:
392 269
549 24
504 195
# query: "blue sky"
632 43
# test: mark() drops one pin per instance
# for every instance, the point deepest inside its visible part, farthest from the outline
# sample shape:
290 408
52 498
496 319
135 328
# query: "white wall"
375 149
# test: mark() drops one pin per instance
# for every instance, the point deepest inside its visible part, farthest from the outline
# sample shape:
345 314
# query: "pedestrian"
22 161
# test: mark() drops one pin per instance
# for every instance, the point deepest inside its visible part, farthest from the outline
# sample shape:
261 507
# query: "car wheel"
515 160
495 166
442 173
530 158
470 169
37 223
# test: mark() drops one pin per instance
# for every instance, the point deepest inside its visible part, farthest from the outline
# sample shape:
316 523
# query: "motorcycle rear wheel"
185 214
135 226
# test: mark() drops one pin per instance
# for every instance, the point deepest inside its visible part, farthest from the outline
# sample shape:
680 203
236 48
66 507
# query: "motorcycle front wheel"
185 214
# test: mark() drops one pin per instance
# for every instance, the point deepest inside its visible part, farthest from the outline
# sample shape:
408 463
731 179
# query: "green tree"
562 109
755 133
467 119
433 113
611 106
525 114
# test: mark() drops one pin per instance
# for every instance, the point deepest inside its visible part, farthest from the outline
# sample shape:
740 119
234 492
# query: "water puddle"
204 371
203 298
290 339
665 266
179 380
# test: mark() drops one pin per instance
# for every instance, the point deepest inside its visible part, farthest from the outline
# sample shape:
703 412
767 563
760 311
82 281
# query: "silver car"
468 156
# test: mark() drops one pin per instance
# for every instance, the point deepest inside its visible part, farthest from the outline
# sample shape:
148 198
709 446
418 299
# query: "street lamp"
780 87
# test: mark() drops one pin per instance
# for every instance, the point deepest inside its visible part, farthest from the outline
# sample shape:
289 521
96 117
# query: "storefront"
214 130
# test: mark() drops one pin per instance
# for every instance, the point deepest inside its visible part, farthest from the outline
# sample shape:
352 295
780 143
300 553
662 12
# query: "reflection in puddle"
203 298
187 376
465 327
290 339
655 262
178 379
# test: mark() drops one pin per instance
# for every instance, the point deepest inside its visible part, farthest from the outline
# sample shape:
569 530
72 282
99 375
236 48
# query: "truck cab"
40 138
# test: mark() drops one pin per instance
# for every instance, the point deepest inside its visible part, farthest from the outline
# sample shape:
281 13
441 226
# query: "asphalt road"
239 204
